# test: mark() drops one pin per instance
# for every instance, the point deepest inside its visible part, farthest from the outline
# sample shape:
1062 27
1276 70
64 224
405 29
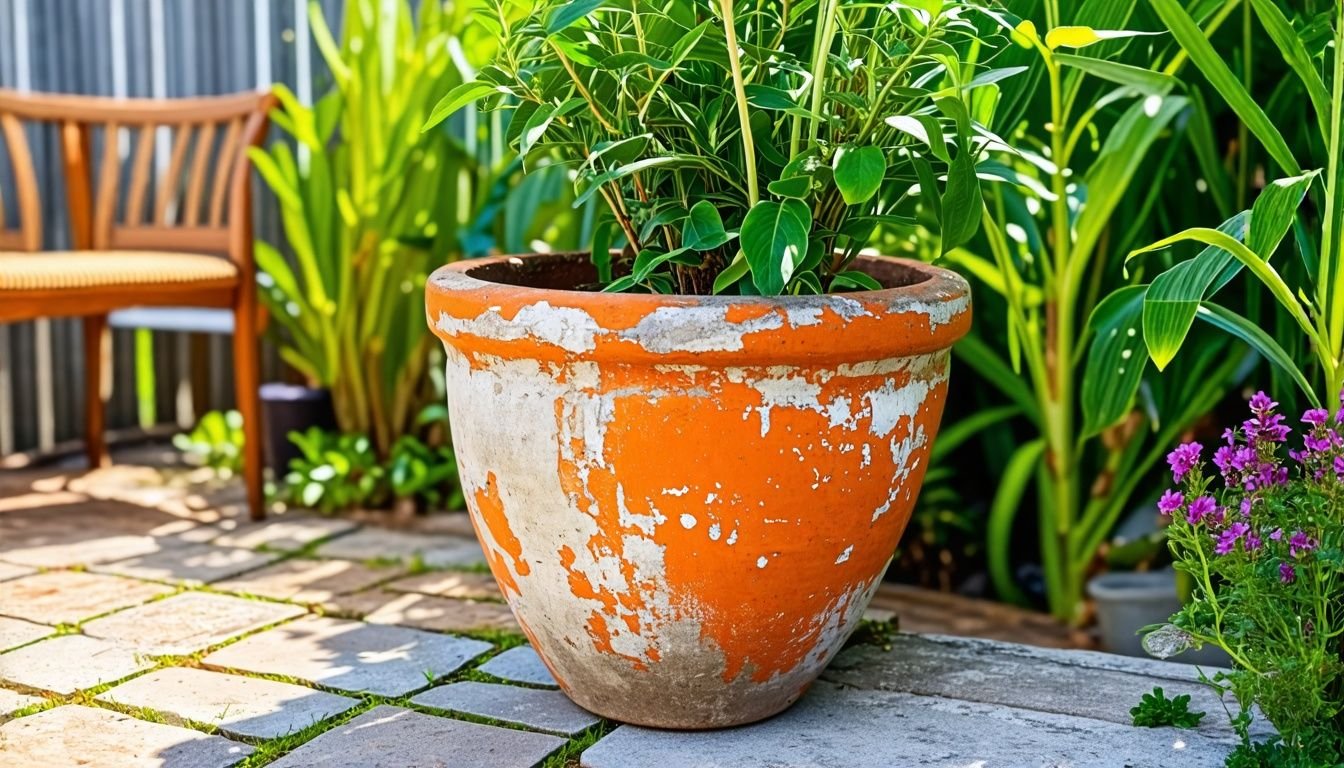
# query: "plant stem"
740 91
822 45
1331 269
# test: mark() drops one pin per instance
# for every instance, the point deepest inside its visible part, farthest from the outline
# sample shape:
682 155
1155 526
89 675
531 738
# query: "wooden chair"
185 240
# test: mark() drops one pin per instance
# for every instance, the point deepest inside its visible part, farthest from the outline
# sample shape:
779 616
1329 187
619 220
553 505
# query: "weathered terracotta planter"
688 501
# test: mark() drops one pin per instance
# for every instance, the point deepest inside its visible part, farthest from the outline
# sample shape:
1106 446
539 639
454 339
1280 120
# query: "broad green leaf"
774 241
1274 211
601 249
926 130
1081 37
1174 296
1221 77
859 172
1146 81
1229 321
962 203
456 99
535 128
703 230
1253 261
799 187
1007 501
732 273
767 97
567 14
1116 360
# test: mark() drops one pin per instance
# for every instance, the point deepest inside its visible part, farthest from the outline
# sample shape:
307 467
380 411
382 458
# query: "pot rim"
475 313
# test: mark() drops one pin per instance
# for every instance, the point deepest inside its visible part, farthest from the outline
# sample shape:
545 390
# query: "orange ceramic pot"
689 500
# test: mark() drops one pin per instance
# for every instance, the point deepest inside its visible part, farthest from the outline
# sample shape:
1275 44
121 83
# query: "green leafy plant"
337 471
735 140
215 442
1048 261
1155 710
1315 305
371 204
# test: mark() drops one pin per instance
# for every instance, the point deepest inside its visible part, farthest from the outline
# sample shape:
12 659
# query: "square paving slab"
549 711
70 663
392 737
99 738
441 614
309 581
189 622
239 706
350 655
196 564
68 597
284 534
435 551
16 632
519 665
468 584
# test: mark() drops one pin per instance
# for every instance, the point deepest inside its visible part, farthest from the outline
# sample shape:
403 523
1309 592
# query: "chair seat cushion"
73 270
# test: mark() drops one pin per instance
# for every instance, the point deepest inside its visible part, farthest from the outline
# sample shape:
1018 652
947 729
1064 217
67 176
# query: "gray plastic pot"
1128 601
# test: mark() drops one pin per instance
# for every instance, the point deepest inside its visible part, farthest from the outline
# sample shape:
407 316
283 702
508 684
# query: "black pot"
289 408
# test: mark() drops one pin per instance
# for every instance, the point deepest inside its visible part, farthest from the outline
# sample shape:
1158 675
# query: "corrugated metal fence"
154 48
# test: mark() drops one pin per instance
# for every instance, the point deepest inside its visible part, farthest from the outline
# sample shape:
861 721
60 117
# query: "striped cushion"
65 270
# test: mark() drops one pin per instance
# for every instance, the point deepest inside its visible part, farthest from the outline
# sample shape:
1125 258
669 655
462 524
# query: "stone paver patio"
144 623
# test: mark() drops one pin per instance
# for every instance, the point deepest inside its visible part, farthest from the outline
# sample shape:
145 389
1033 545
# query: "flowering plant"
1261 538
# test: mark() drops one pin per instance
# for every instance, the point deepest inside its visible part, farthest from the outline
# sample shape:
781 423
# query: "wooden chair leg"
247 379
97 387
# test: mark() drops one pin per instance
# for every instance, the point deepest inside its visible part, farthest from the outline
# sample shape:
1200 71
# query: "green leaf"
1007 501
735 271
456 99
1264 344
767 97
1174 297
962 203
798 187
926 130
1116 361
854 280
703 230
1146 81
774 241
568 13
535 128
1221 77
600 252
1274 210
859 172
1296 56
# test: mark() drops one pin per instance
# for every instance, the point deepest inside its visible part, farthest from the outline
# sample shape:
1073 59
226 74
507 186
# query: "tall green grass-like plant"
371 204
1077 183
746 147
1314 306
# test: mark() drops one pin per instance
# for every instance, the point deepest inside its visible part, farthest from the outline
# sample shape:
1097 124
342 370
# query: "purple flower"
1266 428
1276 534
1260 403
1199 509
1318 443
1253 542
1300 544
1184 459
1287 573
1227 541
1229 435
1339 466
1170 503
1246 506
1315 417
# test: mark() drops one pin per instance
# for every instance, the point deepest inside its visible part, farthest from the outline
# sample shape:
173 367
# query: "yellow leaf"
1025 34
1071 37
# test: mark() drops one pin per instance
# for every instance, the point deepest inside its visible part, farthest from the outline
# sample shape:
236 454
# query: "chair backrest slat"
29 234
170 183
105 203
228 154
205 146
139 189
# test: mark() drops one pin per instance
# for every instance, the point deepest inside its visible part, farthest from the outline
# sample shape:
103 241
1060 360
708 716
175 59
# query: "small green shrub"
215 442
1155 710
